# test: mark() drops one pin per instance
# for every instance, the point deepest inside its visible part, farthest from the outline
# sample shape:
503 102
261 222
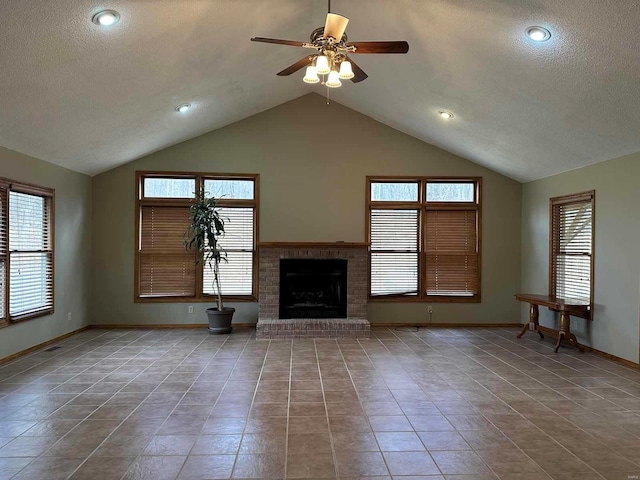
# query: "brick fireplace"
271 326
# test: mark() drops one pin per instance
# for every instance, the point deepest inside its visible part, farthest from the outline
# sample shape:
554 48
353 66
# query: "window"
26 252
425 239
571 253
165 270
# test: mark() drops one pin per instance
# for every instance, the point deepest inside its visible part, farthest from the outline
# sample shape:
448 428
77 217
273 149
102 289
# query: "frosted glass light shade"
322 65
346 73
334 80
311 76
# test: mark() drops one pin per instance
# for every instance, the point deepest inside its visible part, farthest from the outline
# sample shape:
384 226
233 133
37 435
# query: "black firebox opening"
313 288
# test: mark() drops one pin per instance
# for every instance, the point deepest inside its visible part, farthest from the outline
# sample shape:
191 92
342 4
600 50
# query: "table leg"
533 318
565 332
525 327
560 338
574 342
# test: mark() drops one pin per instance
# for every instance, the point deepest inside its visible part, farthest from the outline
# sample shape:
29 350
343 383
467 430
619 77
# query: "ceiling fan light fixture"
334 79
346 72
538 34
322 65
311 75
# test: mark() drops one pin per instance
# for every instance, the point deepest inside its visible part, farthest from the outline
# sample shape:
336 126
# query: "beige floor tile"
352 464
263 443
161 445
354 441
216 445
224 425
316 424
558 461
308 443
259 466
399 442
307 409
310 465
460 463
122 445
486 439
430 423
27 446
51 468
155 468
199 467
390 423
410 463
491 393
438 441
103 468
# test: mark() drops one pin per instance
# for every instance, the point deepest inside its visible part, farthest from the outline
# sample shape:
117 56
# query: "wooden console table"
565 306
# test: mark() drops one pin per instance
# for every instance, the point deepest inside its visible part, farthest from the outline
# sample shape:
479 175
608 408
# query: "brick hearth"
269 323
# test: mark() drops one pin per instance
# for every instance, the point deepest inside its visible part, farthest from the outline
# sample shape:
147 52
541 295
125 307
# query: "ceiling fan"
332 50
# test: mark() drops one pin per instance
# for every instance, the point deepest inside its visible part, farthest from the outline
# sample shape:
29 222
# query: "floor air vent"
51 349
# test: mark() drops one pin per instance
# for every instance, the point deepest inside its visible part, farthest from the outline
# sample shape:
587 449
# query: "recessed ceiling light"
184 108
446 114
106 18
538 34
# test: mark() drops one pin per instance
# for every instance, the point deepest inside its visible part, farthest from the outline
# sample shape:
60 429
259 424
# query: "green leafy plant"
203 235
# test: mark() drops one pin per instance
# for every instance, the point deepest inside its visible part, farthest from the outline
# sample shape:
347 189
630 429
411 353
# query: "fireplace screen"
313 288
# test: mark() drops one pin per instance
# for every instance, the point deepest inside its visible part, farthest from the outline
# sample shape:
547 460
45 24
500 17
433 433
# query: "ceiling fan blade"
335 26
380 47
292 43
359 73
303 62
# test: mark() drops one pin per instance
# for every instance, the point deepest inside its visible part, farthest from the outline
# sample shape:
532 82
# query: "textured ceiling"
91 99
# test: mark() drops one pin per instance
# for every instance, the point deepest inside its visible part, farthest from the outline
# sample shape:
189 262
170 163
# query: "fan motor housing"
317 36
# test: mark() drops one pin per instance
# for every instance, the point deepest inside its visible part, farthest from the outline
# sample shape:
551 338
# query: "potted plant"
204 232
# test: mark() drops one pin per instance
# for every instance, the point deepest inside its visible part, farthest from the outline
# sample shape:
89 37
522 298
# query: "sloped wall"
312 160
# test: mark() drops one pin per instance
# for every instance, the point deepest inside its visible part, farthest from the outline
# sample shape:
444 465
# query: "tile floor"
438 403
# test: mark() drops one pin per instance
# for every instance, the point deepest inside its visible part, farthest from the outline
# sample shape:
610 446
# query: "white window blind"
572 249
395 240
31 254
238 242
4 246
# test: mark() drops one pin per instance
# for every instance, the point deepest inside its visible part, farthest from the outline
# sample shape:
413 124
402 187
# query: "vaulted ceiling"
91 98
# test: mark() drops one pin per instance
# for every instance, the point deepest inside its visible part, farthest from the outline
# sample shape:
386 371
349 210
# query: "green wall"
614 328
72 250
312 160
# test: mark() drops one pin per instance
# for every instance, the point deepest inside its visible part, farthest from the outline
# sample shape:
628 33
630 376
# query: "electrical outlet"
430 309
190 308
69 316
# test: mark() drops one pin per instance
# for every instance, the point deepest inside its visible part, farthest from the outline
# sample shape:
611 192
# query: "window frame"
581 197
423 206
49 197
200 177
